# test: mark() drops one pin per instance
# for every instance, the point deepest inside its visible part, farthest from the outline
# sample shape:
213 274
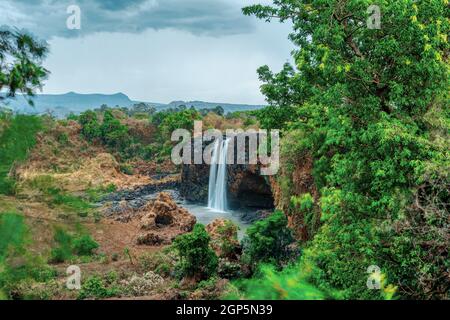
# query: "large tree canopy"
370 107
397 68
21 68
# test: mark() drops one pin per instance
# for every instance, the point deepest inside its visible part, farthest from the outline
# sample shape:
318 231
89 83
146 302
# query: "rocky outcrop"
247 188
301 181
224 240
163 220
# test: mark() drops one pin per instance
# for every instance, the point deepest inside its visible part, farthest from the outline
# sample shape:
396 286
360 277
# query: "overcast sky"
154 50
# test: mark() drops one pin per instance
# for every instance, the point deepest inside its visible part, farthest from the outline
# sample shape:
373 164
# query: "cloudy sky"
154 50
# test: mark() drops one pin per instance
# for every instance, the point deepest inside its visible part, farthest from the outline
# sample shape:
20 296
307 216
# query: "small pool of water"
206 215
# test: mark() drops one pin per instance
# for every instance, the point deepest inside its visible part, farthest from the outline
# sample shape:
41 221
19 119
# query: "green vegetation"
268 240
69 245
54 196
20 63
197 259
110 131
17 138
12 234
95 287
270 284
13 239
371 110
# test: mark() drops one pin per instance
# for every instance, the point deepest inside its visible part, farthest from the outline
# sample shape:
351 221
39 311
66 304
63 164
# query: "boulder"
224 240
163 220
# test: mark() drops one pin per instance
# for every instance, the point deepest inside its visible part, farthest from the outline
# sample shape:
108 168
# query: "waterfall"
217 193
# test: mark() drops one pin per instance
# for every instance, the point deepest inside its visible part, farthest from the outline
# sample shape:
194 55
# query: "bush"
197 259
95 287
114 134
63 251
84 245
68 246
90 127
270 284
267 241
162 262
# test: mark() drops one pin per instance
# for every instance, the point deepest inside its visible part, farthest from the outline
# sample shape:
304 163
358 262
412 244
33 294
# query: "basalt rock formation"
246 187
163 221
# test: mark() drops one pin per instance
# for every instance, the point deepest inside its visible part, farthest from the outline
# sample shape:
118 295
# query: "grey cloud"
47 18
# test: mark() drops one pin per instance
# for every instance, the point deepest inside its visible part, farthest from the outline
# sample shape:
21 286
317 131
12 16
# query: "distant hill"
63 104
228 107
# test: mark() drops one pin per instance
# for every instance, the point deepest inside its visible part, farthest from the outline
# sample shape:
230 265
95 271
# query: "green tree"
21 57
268 240
179 120
113 133
197 259
90 127
371 104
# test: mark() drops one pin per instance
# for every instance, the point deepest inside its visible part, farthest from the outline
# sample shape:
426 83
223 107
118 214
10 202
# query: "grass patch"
55 196
69 246
18 137
15 273
12 233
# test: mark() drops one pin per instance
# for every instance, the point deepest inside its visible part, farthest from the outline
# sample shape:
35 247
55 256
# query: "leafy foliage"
95 287
268 240
270 284
371 108
197 259
12 232
21 57
69 245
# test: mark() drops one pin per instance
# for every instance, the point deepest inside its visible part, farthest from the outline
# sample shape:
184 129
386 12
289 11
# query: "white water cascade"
217 193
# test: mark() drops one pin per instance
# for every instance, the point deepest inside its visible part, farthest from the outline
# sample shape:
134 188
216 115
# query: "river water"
206 215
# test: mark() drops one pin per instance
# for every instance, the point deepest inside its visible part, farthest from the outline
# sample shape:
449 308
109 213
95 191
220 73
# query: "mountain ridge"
72 102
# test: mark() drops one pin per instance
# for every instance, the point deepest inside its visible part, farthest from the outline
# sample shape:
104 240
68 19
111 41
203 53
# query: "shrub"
162 262
268 240
63 251
270 284
197 259
94 287
90 127
114 134
14 275
84 245
68 246
63 138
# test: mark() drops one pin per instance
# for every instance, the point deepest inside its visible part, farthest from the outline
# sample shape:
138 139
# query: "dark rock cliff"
246 187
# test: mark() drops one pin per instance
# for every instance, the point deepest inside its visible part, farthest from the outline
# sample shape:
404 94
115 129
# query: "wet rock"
252 216
141 191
